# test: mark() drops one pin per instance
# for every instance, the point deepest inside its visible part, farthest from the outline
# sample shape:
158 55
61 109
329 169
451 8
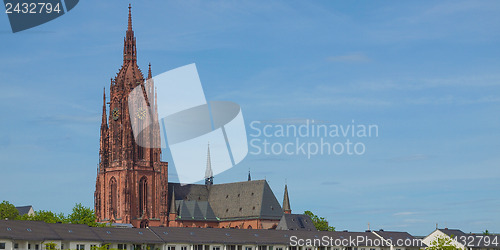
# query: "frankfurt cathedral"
132 184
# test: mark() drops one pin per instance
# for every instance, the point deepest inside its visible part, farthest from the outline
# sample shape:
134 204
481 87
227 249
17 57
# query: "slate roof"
195 210
74 232
473 240
452 232
401 239
133 235
24 209
27 230
41 231
221 235
247 199
232 201
296 222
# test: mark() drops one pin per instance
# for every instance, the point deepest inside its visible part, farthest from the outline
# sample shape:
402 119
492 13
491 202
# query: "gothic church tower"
132 181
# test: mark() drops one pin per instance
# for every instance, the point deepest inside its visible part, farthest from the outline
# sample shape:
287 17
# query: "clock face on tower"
115 113
141 113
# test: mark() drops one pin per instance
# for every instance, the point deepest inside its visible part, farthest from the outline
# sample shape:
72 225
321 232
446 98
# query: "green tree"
46 216
50 246
486 232
103 247
442 243
83 215
8 211
319 222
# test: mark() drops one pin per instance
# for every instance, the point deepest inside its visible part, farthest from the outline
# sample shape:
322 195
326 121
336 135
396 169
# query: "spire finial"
249 177
129 17
129 48
209 175
286 202
104 120
149 71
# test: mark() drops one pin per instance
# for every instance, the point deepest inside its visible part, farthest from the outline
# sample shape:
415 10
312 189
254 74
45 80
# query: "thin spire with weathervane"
209 175
129 48
173 209
104 122
286 202
149 72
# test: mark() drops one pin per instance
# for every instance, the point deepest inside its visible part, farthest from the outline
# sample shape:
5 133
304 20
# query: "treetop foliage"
79 215
319 222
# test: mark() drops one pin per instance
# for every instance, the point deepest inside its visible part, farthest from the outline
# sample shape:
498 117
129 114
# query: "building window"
198 247
184 247
122 246
80 247
248 248
216 248
279 248
2 245
230 247
171 248
37 247
138 247
16 245
262 247
114 197
29 246
143 195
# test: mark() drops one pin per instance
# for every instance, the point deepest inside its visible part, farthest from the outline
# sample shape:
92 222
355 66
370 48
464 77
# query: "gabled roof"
24 209
133 235
41 231
402 238
248 199
232 201
473 240
452 232
221 235
27 230
296 222
74 232
188 192
195 210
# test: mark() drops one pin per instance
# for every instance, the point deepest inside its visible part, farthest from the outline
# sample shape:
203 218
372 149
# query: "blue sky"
425 72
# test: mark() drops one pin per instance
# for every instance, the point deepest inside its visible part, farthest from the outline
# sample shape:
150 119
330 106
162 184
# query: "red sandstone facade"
132 181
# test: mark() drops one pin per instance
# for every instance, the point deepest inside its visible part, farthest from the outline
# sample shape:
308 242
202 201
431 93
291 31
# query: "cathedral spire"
104 122
149 72
286 202
129 49
249 177
209 175
173 209
129 17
